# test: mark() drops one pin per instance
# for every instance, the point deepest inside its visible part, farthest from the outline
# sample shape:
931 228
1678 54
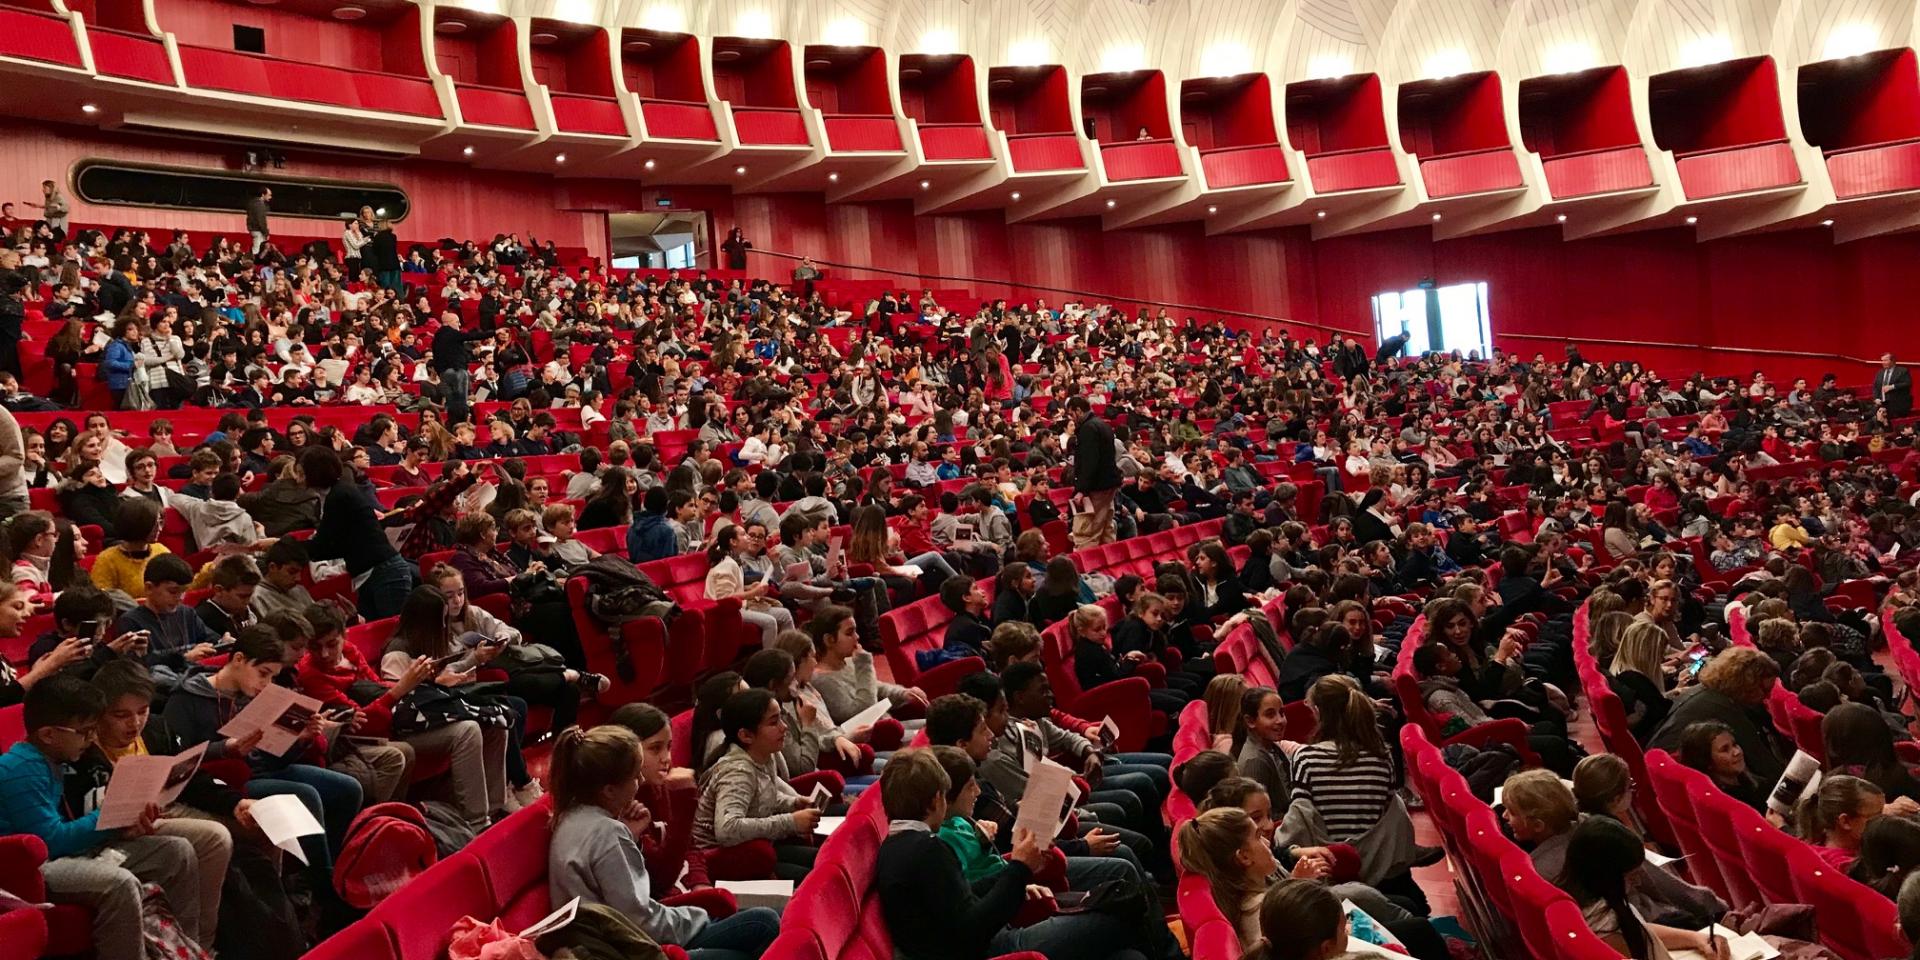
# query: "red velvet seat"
636 665
1124 699
422 914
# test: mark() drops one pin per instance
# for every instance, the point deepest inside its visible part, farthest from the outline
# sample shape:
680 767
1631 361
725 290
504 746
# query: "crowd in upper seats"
831 462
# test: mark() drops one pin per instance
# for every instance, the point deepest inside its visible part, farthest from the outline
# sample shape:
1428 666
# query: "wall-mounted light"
1692 220
1447 63
1703 50
1030 52
1850 40
753 23
1227 58
1327 66
1570 58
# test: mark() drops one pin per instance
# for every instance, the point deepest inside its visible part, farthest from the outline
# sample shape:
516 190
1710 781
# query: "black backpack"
618 592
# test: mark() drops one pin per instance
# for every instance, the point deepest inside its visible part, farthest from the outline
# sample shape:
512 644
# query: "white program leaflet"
833 553
1109 733
1043 807
142 781
553 921
279 713
759 893
1661 860
1802 774
284 819
820 796
1740 946
865 718
828 825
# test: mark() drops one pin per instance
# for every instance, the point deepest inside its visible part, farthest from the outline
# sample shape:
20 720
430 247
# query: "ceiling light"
1692 220
1212 210
1826 223
739 171
349 13
1125 58
450 26
263 3
559 158
380 211
833 178
1562 218
753 23
649 164
638 45
845 32
1112 203
1322 214
1226 59
926 184
1328 66
1016 196
89 108
545 39
664 17
1436 218
1850 40
466 151
578 11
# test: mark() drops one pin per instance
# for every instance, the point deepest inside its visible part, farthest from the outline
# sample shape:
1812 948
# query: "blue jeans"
743 936
936 568
459 384
1070 936
333 798
385 590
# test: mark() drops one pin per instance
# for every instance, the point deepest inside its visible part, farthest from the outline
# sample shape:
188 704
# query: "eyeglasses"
84 733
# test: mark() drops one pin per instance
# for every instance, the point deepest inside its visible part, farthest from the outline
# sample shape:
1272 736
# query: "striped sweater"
1350 797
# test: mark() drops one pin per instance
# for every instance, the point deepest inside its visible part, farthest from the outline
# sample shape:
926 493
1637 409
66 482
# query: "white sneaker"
527 795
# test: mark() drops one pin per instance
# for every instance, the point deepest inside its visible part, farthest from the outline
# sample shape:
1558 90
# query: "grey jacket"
741 800
592 856
853 687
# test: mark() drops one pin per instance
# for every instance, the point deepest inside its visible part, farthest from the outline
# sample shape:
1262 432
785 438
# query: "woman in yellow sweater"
123 566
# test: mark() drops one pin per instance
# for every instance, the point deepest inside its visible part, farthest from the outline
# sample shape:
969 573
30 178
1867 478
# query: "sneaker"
527 795
1428 856
593 684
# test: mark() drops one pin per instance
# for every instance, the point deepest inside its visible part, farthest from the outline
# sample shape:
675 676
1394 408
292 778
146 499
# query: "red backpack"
386 846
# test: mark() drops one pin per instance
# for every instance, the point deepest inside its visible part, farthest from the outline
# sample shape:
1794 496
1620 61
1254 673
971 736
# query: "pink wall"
449 200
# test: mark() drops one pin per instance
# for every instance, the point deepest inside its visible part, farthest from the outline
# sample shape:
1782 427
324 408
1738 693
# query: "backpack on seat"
387 845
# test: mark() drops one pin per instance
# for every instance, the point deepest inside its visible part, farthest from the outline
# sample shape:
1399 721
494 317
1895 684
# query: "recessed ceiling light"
833 178
349 13
1692 220
466 151
1212 210
649 164
1322 214
1112 203
450 26
1436 217
89 108
545 39
1016 196
726 54
1562 218
1826 223
926 184
739 171
559 158
639 45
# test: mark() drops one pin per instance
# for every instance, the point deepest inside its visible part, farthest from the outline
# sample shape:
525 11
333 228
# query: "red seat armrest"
21 855
1511 731
945 678
1124 700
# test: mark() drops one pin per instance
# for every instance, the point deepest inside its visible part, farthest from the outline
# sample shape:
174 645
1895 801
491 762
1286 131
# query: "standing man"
451 358
1096 475
257 219
53 207
1893 387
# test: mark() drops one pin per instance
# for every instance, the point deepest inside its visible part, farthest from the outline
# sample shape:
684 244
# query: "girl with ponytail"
595 852
1225 846
1833 817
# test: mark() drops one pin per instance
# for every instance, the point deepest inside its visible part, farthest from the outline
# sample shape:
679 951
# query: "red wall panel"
494 106
1041 152
1353 170
578 113
127 55
863 133
1465 173
1140 160
290 35
1738 170
1598 171
38 36
678 121
1866 171
768 127
1240 166
954 141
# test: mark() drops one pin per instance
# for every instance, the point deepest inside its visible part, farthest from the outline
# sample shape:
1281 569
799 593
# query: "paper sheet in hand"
828 825
280 715
759 893
553 921
1740 946
865 718
284 819
799 571
1109 733
820 796
1661 860
1043 807
140 781
833 553
1802 774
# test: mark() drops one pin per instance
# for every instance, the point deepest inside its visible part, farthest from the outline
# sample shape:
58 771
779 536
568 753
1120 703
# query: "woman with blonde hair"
1225 846
1223 696
1637 675
1605 630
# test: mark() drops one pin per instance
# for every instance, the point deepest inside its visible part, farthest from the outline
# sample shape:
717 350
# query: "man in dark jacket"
451 357
257 219
1096 475
651 536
